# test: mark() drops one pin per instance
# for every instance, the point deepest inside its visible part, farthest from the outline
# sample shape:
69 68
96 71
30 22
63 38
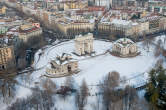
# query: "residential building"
105 3
157 6
74 28
119 3
117 27
28 31
7 58
3 10
74 4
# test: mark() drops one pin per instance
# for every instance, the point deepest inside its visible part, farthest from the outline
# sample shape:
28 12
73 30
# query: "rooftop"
63 59
124 42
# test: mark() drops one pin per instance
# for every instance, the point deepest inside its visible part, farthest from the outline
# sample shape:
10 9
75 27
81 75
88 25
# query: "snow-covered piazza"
94 68
83 54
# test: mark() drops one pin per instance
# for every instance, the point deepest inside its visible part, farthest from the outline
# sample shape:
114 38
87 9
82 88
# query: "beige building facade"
28 31
124 47
66 65
74 4
7 58
74 28
84 44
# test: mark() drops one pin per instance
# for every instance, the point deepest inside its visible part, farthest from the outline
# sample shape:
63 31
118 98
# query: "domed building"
124 47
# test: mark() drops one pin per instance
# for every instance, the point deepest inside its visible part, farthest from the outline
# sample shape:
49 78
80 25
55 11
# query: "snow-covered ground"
95 68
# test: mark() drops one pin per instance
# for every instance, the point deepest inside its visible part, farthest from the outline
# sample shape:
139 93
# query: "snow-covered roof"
92 20
105 22
121 22
87 36
63 59
124 42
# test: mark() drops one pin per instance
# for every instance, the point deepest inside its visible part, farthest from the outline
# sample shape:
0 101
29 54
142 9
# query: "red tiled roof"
96 8
91 9
30 30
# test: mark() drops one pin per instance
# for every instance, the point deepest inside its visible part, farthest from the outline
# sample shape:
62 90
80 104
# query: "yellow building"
143 14
74 4
162 23
28 31
74 28
3 10
7 58
144 27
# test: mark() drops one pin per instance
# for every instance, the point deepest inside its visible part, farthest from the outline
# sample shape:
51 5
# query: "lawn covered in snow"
95 68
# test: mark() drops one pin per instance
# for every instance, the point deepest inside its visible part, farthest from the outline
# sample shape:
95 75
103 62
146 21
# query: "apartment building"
7 58
28 31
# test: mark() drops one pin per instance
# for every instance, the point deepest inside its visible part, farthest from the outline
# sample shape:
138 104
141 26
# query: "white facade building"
84 44
125 47
63 65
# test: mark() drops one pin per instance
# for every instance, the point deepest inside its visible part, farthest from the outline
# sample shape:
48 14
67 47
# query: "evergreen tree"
156 88
161 79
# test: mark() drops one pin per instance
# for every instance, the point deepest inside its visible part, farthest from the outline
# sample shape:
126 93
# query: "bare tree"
147 42
123 80
114 79
98 100
69 82
21 64
108 87
84 91
78 101
130 98
39 100
158 48
48 85
159 62
68 87
136 36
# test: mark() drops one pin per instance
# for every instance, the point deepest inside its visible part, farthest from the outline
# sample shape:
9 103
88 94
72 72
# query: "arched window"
69 68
